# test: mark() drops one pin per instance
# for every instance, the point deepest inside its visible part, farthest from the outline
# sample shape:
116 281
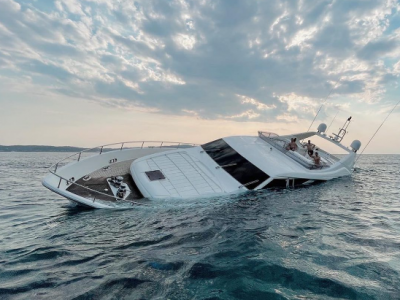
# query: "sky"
92 72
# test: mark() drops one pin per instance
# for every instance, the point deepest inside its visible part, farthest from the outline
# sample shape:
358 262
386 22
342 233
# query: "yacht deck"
300 155
97 181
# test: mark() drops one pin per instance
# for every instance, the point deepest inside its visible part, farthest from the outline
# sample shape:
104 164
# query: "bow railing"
118 146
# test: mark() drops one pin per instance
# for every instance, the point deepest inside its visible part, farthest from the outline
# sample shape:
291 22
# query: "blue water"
337 240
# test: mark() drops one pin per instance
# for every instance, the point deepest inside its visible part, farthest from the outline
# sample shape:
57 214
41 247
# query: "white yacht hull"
225 166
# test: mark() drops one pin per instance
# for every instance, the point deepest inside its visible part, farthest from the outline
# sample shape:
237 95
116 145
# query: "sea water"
336 240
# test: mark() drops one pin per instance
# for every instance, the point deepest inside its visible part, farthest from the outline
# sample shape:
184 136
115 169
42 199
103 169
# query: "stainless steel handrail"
79 154
267 134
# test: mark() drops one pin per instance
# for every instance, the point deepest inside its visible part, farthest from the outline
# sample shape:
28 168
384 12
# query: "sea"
335 240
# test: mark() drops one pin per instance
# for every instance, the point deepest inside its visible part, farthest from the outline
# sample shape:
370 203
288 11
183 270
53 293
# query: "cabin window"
235 164
281 183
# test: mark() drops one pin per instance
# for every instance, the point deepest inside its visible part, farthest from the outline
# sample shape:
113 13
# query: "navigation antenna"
342 131
326 99
333 120
394 107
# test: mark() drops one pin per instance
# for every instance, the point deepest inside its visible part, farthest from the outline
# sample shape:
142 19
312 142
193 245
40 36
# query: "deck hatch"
235 164
155 175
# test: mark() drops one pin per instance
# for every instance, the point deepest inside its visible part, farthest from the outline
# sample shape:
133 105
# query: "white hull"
225 166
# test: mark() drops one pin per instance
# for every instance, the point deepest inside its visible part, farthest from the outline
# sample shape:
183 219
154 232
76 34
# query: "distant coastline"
39 148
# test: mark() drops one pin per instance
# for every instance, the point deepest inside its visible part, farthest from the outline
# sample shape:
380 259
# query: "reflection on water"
340 239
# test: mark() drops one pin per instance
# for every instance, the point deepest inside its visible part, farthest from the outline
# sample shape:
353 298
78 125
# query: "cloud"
210 59
38 67
379 49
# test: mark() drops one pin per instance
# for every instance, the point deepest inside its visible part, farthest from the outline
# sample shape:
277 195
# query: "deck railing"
274 140
267 134
120 146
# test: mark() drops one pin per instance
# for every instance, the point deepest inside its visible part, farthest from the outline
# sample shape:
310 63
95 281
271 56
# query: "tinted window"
281 183
235 164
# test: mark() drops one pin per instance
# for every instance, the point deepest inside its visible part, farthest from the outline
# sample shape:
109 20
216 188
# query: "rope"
332 121
377 131
315 118
326 98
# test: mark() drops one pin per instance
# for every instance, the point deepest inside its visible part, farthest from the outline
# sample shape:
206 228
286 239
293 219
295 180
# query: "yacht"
135 172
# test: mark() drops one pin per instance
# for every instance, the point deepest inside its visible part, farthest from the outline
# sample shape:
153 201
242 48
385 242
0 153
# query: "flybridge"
281 144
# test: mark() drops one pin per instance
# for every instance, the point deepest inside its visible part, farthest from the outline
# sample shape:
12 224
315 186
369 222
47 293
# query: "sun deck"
299 156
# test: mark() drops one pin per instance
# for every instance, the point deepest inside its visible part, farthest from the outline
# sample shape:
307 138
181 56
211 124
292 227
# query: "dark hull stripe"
282 183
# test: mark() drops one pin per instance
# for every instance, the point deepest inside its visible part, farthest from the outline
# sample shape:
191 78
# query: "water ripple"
337 240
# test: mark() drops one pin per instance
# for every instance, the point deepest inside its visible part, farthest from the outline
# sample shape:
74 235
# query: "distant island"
39 148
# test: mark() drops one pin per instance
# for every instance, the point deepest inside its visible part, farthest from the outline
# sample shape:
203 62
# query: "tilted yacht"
117 173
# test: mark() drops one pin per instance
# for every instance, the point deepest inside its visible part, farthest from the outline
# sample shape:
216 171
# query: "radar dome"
355 145
322 127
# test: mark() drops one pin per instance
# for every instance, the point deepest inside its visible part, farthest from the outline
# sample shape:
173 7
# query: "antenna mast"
342 131
394 107
326 98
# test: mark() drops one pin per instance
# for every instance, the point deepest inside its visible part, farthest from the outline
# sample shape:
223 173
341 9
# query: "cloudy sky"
98 71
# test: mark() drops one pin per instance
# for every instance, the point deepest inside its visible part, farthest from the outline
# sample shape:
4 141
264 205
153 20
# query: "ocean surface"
336 240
